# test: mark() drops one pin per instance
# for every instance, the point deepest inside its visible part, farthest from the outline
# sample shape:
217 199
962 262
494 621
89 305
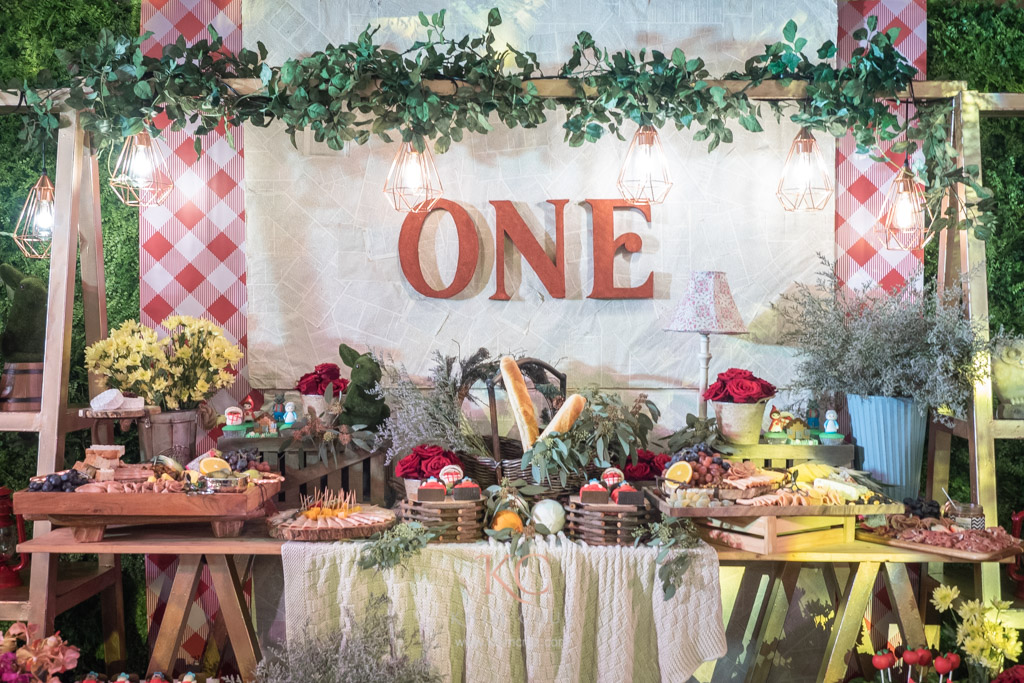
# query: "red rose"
340 385
637 472
644 455
327 371
433 466
660 462
308 384
426 452
735 373
716 392
767 387
409 467
745 390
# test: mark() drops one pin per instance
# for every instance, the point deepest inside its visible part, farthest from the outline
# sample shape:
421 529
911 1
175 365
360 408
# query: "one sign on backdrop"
531 250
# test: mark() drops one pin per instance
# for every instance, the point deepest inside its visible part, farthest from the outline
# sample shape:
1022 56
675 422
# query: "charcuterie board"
292 525
658 500
954 553
90 513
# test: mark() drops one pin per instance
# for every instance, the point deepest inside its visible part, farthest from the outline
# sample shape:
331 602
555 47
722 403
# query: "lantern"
140 176
12 532
644 177
805 184
412 183
902 225
34 229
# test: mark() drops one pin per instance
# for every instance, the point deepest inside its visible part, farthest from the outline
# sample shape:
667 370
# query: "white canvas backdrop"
322 239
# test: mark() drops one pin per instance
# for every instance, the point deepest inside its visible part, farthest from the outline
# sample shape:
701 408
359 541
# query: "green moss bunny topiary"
25 334
364 400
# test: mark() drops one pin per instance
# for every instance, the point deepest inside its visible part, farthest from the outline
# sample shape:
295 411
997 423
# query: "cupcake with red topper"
593 492
627 494
467 489
431 491
612 476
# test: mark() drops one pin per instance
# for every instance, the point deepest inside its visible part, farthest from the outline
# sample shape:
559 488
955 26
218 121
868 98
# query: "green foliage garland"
356 90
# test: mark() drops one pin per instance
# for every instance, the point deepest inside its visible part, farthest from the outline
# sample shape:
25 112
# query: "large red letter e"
605 246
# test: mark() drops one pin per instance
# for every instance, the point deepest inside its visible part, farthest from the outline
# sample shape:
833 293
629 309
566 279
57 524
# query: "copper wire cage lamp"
413 183
34 230
139 178
644 176
805 183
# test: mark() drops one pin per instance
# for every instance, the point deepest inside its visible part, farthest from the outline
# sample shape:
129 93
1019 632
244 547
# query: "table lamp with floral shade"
707 308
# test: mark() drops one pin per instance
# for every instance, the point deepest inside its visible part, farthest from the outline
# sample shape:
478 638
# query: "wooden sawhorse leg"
237 620
778 600
115 646
847 625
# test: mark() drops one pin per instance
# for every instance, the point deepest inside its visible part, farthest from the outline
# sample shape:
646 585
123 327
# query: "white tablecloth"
576 614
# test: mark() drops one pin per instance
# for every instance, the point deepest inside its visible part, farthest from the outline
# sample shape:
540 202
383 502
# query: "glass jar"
966 515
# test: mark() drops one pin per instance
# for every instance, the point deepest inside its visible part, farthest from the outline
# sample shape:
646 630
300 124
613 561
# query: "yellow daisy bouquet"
176 373
132 359
985 640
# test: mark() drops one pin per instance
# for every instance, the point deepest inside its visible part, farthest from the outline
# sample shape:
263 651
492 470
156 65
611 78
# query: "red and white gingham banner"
192 256
861 184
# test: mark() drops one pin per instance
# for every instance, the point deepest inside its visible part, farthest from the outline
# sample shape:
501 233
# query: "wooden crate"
465 519
787 455
356 470
606 524
90 513
768 535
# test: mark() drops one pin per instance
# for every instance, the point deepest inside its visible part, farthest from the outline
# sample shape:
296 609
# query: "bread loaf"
566 415
519 399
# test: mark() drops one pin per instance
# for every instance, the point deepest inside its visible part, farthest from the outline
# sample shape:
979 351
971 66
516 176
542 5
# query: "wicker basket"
465 519
604 525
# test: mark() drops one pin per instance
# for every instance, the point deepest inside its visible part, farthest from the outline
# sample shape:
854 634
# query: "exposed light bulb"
412 183
142 167
902 225
805 184
644 176
42 222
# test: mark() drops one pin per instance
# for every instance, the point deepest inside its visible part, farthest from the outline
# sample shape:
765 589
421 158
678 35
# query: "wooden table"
196 546
866 561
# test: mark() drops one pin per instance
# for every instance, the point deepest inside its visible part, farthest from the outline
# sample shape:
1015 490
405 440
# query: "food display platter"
953 553
659 500
290 525
90 513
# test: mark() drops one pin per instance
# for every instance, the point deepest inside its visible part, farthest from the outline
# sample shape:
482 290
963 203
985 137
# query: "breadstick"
519 399
566 415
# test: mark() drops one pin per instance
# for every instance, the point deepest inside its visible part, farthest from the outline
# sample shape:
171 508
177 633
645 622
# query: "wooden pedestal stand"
76 229
464 518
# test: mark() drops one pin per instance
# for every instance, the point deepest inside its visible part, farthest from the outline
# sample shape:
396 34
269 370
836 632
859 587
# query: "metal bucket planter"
171 433
891 432
740 423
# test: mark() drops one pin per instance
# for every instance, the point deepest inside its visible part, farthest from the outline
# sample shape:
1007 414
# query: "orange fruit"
678 473
507 519
211 464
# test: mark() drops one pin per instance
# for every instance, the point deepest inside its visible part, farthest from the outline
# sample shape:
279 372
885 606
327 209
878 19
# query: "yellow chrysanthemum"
943 597
971 610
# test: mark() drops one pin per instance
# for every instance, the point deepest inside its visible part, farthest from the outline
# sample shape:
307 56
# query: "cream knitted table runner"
576 613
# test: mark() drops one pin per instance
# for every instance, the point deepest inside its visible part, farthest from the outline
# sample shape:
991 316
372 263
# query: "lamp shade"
707 306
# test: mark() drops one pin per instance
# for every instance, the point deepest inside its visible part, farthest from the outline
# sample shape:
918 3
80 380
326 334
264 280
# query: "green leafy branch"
669 536
392 547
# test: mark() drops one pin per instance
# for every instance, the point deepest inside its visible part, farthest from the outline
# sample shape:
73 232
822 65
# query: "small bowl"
233 485
831 439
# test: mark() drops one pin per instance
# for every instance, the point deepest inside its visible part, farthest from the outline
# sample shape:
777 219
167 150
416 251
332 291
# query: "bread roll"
519 398
566 415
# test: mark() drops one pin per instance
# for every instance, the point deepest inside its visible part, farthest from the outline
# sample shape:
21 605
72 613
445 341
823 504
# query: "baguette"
566 415
519 399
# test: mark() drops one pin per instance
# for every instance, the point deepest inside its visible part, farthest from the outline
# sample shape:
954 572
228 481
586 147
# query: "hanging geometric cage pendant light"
644 177
902 225
412 183
140 176
34 229
805 184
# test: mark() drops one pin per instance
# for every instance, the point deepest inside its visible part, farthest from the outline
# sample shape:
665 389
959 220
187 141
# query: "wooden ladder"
77 230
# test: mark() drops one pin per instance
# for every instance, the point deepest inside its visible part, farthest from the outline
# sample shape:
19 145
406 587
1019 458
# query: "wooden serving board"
955 553
90 513
288 532
660 501
91 414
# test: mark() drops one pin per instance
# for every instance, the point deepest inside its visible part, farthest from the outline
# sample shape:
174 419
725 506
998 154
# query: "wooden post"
982 438
57 352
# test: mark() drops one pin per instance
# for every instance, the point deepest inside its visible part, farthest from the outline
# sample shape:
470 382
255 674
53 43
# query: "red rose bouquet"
316 382
425 461
739 386
655 462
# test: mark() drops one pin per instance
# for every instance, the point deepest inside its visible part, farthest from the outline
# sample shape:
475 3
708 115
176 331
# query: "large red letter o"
409 250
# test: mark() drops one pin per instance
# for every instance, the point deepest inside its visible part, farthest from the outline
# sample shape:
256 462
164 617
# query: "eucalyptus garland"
357 90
